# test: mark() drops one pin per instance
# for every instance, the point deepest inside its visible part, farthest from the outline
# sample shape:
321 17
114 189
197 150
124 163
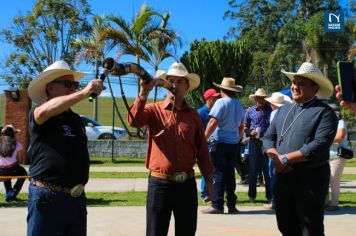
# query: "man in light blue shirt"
225 130
210 97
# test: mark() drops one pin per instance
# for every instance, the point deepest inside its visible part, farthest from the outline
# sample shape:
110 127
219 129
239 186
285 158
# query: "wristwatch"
284 160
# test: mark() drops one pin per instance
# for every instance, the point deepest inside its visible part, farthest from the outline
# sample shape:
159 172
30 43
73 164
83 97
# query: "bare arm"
210 128
340 135
60 104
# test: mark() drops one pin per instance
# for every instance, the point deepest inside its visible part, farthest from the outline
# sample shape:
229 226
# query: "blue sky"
193 19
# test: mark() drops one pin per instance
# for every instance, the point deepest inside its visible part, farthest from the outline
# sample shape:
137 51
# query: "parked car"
95 130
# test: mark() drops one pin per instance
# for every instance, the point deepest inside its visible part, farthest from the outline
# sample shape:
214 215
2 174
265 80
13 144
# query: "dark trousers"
165 197
299 201
224 158
258 161
15 170
239 165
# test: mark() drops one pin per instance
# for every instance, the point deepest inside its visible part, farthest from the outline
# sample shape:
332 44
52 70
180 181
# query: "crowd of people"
287 140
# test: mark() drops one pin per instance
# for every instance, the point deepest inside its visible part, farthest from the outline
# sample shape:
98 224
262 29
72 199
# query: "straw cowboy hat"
259 93
278 99
37 87
229 84
178 69
310 71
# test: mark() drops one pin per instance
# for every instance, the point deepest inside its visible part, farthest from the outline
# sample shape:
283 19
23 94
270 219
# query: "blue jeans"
257 161
55 213
165 197
272 176
223 158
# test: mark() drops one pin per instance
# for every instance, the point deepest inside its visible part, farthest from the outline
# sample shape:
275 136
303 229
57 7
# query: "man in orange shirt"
175 143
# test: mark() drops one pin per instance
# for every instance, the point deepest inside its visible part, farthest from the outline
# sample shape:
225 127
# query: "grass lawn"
351 163
129 161
118 161
347 199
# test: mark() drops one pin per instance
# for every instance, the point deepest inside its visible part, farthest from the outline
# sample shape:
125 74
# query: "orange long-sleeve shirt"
182 143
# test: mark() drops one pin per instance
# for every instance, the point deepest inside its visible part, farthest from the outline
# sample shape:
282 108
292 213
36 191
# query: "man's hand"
280 168
209 190
350 105
146 88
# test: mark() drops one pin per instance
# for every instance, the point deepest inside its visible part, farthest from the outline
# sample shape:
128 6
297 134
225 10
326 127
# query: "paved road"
115 221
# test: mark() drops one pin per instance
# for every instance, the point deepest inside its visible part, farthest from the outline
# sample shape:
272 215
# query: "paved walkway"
123 221
140 184
103 221
347 170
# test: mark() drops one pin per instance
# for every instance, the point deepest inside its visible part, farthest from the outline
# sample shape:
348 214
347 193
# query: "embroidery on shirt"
67 131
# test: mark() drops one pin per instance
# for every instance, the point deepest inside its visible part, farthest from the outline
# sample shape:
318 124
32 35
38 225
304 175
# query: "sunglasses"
67 83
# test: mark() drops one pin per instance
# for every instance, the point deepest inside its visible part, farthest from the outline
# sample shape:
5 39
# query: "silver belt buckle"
180 177
77 190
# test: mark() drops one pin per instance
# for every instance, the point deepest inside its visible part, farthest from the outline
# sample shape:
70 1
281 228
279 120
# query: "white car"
95 130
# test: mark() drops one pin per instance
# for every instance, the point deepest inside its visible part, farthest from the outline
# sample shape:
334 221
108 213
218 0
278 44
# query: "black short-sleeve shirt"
58 150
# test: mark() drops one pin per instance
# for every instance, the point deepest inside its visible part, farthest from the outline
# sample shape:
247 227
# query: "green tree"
283 34
43 36
135 37
132 38
93 49
164 47
214 60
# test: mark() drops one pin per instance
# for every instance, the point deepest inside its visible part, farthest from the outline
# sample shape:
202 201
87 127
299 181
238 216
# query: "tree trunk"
95 111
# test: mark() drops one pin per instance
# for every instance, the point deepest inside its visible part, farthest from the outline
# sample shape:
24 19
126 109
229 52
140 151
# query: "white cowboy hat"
229 84
310 71
178 69
259 93
278 99
37 87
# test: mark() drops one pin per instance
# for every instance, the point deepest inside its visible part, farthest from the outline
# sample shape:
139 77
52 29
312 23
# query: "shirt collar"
168 103
304 104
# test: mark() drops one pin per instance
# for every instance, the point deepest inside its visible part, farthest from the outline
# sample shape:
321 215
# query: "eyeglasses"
67 83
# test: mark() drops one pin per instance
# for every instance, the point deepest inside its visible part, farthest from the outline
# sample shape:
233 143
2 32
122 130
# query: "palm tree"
160 46
93 49
133 38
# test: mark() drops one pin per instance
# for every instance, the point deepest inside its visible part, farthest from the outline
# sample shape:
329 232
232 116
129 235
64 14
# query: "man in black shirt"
58 153
298 142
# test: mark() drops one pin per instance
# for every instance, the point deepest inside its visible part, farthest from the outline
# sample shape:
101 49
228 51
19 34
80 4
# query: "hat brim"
238 88
252 96
194 79
37 87
326 88
277 104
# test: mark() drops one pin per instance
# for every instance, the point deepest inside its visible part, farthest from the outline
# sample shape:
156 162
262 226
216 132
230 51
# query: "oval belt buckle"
180 177
77 190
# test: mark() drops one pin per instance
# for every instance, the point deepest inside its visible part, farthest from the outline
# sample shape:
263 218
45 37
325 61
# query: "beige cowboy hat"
37 87
229 84
178 69
259 93
278 99
310 71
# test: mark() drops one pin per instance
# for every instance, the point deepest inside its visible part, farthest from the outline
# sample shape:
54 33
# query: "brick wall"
17 115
